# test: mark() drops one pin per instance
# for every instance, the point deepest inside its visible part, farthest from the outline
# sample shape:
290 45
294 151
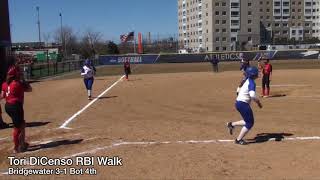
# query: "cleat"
4 126
230 127
241 142
24 147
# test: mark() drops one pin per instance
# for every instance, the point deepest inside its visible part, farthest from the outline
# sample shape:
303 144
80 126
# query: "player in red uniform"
13 92
127 69
266 78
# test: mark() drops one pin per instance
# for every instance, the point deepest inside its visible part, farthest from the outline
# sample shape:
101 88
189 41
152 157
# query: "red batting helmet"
13 72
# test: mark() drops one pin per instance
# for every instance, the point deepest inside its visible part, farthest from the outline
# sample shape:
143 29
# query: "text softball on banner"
134 59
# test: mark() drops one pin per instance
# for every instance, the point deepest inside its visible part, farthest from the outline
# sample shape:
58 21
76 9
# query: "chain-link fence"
38 71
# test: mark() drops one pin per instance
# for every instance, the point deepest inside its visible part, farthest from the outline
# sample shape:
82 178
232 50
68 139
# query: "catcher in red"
266 77
13 92
127 69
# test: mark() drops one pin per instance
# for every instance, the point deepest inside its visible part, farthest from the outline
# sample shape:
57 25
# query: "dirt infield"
173 126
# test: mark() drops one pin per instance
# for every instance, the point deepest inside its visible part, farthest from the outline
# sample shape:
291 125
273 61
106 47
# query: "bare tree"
46 37
68 40
91 43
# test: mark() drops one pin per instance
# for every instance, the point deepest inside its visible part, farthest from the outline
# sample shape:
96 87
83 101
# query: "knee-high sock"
268 91
16 135
22 136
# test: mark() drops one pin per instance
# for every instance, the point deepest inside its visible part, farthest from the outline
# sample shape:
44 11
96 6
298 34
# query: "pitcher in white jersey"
246 93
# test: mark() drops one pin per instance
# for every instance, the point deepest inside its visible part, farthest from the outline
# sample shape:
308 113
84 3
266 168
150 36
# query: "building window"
224 48
216 4
217 22
233 39
217 30
249 30
217 39
224 30
249 38
217 48
234 14
224 39
224 21
224 4
249 21
249 4
217 13
224 13
249 13
285 3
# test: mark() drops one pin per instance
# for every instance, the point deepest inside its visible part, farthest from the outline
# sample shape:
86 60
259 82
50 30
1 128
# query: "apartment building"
226 25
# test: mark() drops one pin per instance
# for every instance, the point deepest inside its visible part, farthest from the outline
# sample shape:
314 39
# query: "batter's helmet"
252 72
87 62
13 72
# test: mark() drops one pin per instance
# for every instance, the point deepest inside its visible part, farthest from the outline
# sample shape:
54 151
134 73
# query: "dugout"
5 38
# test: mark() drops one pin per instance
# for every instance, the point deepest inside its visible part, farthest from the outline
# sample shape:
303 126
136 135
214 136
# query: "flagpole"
134 42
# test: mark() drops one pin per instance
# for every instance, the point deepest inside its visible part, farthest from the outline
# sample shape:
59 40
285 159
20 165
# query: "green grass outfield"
111 70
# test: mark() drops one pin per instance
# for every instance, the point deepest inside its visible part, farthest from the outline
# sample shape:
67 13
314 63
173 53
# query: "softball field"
166 125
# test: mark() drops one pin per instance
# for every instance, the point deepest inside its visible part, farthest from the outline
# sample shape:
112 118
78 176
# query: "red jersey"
126 65
14 92
267 69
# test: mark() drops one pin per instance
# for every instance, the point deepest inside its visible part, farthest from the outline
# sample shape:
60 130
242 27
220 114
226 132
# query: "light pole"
63 40
61 35
38 13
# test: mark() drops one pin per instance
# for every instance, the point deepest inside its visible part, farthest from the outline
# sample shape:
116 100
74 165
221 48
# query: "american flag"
127 37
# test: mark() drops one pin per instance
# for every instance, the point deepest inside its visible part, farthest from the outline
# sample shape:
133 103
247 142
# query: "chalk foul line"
147 143
64 125
289 85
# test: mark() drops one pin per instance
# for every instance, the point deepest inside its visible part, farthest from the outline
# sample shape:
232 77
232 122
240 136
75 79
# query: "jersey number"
8 92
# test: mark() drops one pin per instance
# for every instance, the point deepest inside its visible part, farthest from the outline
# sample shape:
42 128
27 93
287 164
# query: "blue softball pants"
246 113
88 82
